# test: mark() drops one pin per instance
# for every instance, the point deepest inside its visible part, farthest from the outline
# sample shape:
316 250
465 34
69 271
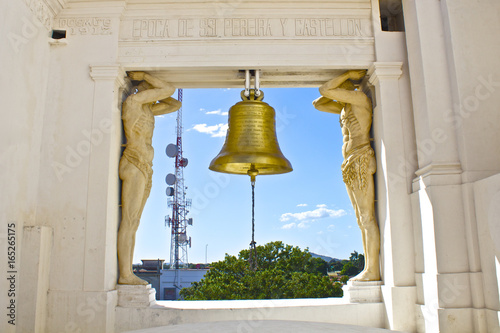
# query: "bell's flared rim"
240 163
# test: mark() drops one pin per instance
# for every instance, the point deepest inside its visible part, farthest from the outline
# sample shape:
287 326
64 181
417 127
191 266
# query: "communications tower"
176 194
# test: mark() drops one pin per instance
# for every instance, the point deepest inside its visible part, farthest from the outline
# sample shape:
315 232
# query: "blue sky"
308 207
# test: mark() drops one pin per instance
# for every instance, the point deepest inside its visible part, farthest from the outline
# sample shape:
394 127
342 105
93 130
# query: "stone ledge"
136 296
363 291
333 311
263 326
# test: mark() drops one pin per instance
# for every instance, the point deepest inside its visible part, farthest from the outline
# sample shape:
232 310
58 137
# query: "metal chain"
253 250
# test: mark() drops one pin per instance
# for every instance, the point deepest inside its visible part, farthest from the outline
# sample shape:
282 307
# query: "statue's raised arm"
151 97
340 96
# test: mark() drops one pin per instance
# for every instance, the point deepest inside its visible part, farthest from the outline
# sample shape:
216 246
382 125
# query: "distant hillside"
325 258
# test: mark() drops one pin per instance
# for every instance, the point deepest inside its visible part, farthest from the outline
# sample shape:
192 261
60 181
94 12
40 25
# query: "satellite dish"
170 179
184 162
172 150
170 191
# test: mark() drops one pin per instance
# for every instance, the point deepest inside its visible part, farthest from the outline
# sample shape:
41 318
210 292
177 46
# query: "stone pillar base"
136 296
363 291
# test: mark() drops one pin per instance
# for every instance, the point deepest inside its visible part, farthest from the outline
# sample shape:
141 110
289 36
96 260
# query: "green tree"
336 265
358 260
317 265
349 269
344 279
355 264
283 271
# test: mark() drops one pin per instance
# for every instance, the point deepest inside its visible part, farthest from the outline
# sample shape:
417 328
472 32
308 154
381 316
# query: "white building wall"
473 51
452 53
24 54
187 277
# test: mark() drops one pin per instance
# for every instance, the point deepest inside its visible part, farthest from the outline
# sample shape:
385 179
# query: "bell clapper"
252 172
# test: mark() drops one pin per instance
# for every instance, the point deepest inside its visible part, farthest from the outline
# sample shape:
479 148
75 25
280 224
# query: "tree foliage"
349 269
355 264
283 271
358 260
337 265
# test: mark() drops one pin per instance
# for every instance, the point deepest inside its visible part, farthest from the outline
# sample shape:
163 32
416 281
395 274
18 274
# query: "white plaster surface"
487 192
264 326
327 310
25 57
35 278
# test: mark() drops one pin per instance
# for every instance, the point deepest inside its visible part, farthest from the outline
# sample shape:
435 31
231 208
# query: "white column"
443 270
80 187
393 200
93 306
103 193
430 85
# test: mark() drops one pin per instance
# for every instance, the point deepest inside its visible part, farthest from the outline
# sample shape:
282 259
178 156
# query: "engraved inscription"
86 25
327 27
208 27
252 131
247 27
186 27
224 28
150 28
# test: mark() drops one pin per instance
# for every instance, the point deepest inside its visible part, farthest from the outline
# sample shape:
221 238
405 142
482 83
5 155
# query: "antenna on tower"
176 193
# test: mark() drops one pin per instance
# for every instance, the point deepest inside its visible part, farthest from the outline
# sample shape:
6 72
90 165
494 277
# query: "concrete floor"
264 326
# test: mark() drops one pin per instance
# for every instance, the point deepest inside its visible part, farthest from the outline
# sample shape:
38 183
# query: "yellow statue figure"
339 96
151 98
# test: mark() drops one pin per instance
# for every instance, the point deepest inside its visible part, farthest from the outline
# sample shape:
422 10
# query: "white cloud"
302 205
218 112
320 212
303 225
215 131
288 226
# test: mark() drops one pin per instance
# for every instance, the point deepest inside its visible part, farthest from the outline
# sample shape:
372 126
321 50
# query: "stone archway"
294 44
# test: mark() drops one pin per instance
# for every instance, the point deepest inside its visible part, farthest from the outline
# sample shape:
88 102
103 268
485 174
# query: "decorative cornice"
439 169
384 70
100 8
437 174
108 71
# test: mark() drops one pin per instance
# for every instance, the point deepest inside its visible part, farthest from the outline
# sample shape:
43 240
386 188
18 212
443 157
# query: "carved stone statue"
339 96
151 98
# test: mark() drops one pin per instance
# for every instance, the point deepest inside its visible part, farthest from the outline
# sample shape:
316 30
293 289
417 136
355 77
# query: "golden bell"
251 145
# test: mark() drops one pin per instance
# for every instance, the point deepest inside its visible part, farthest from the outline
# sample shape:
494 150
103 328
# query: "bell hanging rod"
257 82
248 75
